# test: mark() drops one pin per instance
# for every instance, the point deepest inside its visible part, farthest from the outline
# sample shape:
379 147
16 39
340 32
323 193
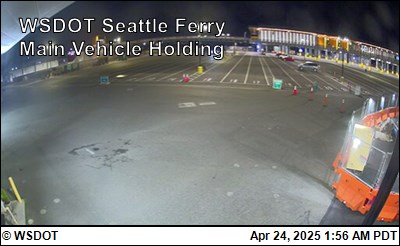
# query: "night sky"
372 22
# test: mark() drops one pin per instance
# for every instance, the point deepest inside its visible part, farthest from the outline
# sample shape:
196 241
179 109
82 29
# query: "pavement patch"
102 155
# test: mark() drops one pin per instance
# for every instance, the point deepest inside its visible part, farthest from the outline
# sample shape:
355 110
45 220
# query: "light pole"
341 52
302 41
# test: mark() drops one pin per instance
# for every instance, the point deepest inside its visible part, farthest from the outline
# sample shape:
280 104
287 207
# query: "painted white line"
265 75
88 150
235 81
211 68
130 89
231 69
312 82
172 74
289 84
266 63
364 85
248 70
209 79
327 82
383 81
207 103
187 105
287 74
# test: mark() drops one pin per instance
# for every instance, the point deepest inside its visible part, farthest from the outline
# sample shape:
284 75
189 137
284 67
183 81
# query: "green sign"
104 80
277 84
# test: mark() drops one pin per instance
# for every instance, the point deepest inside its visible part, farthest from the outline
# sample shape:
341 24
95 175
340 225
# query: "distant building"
322 46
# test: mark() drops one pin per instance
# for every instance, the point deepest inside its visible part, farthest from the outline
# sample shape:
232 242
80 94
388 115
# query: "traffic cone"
185 78
311 94
325 101
342 108
294 91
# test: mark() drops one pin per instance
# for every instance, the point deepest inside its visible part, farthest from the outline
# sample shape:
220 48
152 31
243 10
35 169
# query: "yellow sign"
344 44
333 42
322 41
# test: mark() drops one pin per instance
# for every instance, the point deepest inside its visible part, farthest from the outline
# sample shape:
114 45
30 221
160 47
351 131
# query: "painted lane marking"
326 82
172 74
265 75
187 105
266 63
88 150
287 74
206 103
248 70
231 69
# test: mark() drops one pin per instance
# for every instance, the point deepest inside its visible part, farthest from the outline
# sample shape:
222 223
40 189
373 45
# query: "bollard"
325 101
311 94
315 86
294 91
200 69
14 188
342 108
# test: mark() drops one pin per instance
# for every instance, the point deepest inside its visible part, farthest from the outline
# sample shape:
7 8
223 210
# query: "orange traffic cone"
311 94
185 78
325 101
294 91
342 108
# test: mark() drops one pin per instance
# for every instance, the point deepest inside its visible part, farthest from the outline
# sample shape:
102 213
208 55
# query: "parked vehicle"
312 66
289 58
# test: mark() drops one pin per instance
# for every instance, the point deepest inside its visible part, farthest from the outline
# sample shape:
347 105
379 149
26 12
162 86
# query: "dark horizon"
375 23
